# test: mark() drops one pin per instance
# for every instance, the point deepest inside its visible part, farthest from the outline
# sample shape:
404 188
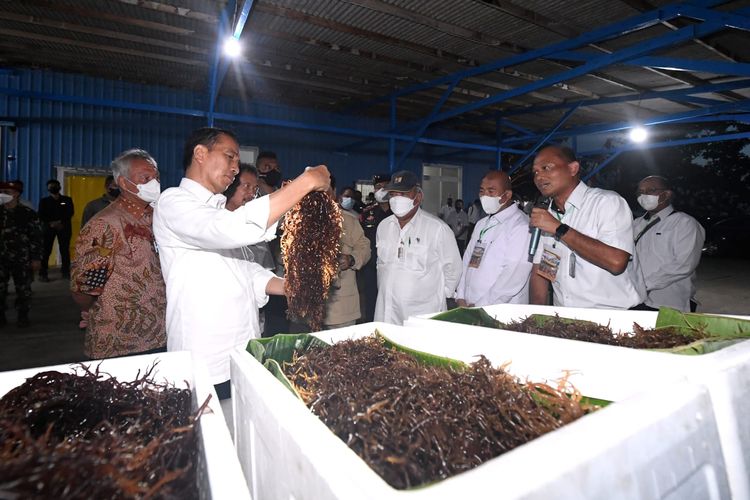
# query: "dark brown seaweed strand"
415 424
310 246
642 338
88 436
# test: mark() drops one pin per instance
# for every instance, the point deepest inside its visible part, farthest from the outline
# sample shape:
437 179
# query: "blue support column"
220 65
498 142
392 140
543 140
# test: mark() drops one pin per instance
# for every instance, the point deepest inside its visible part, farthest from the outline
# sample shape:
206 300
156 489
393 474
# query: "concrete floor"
54 336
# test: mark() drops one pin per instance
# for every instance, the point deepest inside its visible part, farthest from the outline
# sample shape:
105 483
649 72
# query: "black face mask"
114 192
54 189
272 177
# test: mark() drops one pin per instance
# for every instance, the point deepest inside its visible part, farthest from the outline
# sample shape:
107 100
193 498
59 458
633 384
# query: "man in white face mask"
418 261
667 249
116 276
372 216
496 267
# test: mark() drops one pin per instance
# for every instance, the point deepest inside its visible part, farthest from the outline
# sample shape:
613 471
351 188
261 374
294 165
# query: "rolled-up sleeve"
201 226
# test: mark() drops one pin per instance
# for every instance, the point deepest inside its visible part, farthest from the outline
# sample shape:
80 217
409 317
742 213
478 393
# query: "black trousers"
644 307
63 241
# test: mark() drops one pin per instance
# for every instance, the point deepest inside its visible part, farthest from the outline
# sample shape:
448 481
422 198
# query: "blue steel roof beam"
669 39
423 125
731 19
543 140
635 23
663 94
213 89
507 123
601 165
675 117
671 63
254 120
657 145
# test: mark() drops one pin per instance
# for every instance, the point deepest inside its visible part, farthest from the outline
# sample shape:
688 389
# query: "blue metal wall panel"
51 133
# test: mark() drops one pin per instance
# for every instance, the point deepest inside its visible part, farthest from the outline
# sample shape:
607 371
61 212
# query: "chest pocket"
416 256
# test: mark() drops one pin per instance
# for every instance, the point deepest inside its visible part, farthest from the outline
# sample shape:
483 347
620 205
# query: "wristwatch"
561 230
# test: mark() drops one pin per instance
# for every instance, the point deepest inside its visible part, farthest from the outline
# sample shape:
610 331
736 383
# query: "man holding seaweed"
213 298
587 238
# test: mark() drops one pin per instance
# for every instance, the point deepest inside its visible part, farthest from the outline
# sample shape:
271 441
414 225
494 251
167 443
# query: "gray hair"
121 164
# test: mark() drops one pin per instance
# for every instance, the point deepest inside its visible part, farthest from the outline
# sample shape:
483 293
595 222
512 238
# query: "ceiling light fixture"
638 134
232 47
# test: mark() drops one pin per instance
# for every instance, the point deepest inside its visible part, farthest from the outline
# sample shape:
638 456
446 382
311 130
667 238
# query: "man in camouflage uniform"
20 249
367 277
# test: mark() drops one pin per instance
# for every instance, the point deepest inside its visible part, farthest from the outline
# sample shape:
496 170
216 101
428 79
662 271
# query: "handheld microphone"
536 233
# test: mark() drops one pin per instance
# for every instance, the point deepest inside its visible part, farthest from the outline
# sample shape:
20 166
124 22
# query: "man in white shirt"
212 297
496 266
587 238
418 261
458 221
668 248
446 209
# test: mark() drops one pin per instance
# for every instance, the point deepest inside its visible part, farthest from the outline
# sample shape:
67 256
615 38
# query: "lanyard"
487 228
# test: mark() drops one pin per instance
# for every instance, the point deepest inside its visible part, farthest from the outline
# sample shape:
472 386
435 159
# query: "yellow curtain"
83 189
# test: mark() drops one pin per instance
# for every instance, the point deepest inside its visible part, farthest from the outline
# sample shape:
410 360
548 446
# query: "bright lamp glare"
638 134
232 47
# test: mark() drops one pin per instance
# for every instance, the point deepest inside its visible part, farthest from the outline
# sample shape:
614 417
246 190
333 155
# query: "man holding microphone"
586 238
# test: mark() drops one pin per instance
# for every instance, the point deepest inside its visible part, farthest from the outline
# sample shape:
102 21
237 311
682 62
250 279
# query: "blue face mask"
347 203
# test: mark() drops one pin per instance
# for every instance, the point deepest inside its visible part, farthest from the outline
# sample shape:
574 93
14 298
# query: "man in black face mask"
269 172
111 191
56 211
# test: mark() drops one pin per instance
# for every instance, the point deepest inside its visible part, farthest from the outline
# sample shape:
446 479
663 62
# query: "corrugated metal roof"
331 55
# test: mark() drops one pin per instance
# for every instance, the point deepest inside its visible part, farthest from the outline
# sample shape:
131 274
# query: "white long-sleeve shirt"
418 267
666 256
212 295
502 276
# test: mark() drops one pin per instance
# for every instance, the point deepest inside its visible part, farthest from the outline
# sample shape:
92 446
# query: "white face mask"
400 205
381 195
148 192
490 204
5 198
648 201
347 202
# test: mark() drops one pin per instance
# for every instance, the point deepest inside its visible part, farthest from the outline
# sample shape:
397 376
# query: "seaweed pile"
588 331
415 424
84 435
310 246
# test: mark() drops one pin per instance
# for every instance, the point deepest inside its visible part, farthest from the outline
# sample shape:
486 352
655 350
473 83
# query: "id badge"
549 264
401 252
476 256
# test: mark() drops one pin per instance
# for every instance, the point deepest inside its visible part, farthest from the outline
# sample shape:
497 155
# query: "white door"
438 183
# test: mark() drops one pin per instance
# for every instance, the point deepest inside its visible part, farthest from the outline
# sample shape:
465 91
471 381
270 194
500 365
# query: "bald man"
668 248
587 238
495 265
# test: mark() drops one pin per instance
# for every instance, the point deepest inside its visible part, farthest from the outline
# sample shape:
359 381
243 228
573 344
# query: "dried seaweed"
587 331
310 245
84 435
415 424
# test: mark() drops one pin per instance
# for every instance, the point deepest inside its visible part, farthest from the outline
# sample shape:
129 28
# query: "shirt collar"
576 197
203 194
663 213
135 209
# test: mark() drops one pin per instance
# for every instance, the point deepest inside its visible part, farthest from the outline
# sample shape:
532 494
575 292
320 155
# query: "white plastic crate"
219 473
726 373
658 445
